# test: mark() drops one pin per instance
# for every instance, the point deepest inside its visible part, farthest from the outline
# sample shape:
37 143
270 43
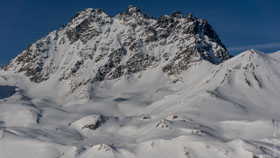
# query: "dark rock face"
165 21
190 18
132 10
177 14
33 62
95 47
85 30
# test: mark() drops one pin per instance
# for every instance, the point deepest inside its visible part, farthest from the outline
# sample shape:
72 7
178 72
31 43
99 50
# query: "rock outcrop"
94 47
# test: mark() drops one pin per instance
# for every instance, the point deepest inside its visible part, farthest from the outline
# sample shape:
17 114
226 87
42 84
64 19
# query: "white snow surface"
228 110
214 108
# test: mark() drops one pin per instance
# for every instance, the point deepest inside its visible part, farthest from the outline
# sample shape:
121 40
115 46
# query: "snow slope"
94 47
226 110
214 107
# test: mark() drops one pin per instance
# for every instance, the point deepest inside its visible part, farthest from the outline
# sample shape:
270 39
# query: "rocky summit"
132 86
107 48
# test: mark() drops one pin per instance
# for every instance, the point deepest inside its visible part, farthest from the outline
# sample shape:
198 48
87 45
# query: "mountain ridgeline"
132 86
94 47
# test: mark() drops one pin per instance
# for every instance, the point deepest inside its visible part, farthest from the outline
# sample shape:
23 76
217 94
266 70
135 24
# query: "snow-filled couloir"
134 86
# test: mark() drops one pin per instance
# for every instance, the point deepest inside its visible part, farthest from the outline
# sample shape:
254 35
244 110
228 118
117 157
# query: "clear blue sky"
241 24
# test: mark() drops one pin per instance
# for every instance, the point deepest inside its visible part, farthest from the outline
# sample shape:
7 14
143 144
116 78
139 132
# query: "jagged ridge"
94 46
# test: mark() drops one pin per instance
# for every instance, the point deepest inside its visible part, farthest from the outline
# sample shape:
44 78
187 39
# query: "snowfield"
131 86
226 110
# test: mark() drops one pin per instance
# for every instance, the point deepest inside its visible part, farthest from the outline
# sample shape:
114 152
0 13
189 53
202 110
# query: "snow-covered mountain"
94 47
135 86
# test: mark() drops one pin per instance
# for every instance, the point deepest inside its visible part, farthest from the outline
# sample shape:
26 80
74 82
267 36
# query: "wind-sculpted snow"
137 87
